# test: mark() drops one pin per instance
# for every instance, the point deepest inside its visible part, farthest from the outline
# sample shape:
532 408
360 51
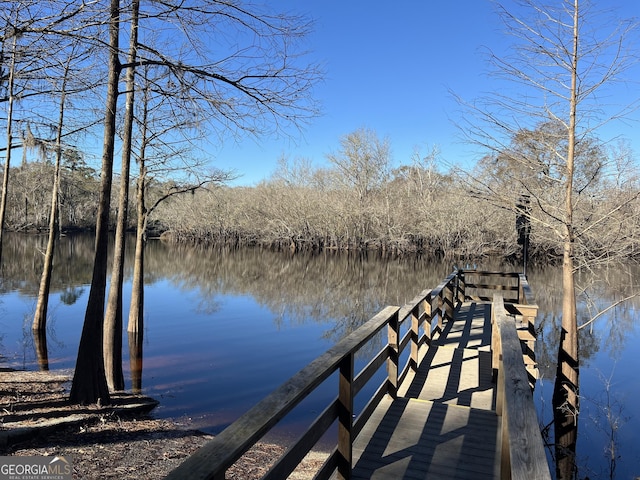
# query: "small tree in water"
259 88
543 143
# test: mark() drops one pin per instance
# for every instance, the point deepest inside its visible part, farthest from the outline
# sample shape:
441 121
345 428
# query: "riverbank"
110 443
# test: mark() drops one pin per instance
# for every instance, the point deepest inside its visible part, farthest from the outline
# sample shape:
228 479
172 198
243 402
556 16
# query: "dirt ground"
106 444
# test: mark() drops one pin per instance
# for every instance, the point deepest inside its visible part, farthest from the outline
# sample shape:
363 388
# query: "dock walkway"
442 424
455 403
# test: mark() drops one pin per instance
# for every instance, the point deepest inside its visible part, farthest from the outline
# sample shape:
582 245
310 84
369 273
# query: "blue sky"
390 68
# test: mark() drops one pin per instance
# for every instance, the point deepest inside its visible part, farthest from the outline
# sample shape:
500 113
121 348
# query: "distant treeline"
410 209
413 211
398 218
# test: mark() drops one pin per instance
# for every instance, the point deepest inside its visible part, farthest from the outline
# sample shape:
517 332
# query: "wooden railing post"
440 310
495 346
521 297
415 336
449 295
393 332
427 318
462 287
345 417
528 310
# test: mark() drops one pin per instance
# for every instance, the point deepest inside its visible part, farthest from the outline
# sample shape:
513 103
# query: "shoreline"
114 444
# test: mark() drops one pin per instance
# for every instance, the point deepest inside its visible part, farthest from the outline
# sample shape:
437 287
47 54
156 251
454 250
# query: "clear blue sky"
390 68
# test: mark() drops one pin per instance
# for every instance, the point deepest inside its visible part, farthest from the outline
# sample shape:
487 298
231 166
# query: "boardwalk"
443 422
460 406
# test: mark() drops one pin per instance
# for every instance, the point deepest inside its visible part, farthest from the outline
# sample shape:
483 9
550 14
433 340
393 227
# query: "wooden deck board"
409 438
442 425
456 368
471 327
452 375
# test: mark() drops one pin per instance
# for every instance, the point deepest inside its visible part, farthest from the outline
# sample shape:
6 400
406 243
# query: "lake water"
224 328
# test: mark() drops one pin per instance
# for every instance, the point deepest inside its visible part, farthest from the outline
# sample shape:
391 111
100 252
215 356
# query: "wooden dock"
460 406
443 423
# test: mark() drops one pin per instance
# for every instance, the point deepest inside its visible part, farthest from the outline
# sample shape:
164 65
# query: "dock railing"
518 300
409 326
419 318
523 455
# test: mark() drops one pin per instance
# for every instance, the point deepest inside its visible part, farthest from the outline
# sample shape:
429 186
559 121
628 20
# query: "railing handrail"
438 290
224 449
513 276
525 296
523 454
213 459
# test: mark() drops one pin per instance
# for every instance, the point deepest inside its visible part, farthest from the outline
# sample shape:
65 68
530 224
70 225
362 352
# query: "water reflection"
22 266
339 292
596 292
135 360
42 354
602 343
223 327
302 287
71 294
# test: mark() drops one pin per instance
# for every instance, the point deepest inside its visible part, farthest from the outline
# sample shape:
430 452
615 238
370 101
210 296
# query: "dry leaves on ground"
122 446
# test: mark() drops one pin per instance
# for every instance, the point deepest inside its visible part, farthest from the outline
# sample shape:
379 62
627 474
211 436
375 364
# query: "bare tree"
363 163
112 335
563 54
69 77
158 153
253 88
89 382
29 28
41 61
362 166
11 34
40 316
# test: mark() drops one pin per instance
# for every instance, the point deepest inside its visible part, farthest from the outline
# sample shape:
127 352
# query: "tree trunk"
136 308
566 388
7 162
40 316
565 394
40 342
89 382
135 360
113 315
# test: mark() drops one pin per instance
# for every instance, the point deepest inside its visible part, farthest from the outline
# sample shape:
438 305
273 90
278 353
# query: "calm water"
224 328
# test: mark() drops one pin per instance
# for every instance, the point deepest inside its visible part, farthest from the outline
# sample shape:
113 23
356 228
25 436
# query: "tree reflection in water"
42 354
135 360
328 295
599 451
